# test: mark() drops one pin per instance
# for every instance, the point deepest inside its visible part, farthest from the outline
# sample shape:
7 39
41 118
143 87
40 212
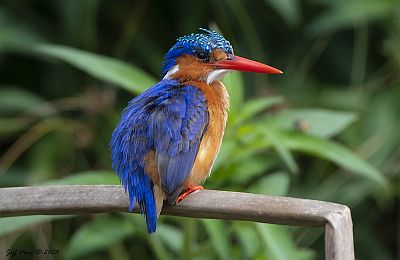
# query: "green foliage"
272 184
234 84
14 100
103 68
288 9
278 243
17 224
341 14
253 107
335 153
319 122
101 233
16 33
219 238
87 178
327 129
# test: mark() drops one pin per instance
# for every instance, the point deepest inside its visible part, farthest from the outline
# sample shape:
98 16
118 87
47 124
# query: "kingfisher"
169 136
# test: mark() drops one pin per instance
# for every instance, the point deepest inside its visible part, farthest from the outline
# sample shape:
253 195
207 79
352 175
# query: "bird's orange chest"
217 99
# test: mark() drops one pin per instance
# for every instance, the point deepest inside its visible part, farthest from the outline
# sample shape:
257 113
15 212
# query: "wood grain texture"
51 200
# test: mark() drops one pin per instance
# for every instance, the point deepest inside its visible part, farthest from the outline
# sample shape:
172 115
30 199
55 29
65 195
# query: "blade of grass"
98 234
13 224
218 236
101 67
334 152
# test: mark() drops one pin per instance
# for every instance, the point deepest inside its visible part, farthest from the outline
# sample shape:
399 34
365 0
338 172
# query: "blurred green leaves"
282 131
219 237
344 14
13 224
274 184
334 152
104 68
254 107
15 100
278 243
288 9
101 233
319 122
87 178
233 82
17 34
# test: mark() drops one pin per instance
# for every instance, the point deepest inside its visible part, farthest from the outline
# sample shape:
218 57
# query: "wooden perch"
51 200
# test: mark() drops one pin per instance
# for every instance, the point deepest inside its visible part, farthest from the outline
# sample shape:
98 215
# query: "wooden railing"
54 200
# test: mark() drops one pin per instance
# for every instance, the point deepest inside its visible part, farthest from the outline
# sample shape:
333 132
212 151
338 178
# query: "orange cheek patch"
191 69
219 54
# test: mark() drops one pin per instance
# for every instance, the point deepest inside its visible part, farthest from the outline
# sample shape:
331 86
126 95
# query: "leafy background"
327 129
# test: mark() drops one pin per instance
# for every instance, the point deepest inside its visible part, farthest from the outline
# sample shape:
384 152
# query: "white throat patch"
171 72
215 75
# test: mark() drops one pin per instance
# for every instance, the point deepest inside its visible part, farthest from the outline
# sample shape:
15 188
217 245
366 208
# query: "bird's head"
206 56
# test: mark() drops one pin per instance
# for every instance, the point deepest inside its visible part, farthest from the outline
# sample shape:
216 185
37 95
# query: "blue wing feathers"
178 125
169 119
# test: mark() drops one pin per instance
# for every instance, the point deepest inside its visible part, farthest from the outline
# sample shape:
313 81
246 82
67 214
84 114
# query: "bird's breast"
217 99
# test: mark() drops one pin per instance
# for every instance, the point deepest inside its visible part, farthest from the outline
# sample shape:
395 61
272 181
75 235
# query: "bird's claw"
189 189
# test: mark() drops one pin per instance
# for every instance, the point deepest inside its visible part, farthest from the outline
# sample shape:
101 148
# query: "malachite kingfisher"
169 136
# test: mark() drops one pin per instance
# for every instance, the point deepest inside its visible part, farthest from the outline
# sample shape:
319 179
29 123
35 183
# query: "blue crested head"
196 44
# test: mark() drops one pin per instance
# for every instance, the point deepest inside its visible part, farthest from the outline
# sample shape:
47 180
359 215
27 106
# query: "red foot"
189 189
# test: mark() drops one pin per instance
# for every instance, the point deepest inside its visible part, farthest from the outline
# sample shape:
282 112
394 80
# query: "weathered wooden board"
81 199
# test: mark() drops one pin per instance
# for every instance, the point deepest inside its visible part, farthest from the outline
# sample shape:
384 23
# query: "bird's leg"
190 188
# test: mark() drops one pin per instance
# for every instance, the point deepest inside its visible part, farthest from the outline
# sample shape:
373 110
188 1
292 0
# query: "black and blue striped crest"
207 41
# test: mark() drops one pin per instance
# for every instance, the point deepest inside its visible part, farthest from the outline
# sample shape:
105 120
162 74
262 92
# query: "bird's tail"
130 170
145 198
150 213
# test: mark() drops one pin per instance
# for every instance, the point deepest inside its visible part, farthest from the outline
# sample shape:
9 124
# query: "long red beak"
243 64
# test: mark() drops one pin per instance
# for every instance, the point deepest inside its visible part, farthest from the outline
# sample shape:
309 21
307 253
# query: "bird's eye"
202 56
